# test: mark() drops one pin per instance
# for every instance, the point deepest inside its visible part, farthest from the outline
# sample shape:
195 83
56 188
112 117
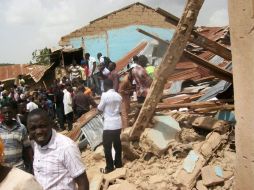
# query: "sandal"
105 171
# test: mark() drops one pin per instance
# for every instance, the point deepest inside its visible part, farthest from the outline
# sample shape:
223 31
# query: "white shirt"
101 60
19 180
67 101
110 105
31 106
58 163
90 64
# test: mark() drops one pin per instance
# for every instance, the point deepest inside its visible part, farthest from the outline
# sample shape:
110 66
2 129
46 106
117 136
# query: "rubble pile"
181 149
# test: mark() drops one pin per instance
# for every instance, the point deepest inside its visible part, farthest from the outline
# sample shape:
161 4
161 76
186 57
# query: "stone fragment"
158 138
210 175
126 185
156 179
116 174
99 153
113 187
200 185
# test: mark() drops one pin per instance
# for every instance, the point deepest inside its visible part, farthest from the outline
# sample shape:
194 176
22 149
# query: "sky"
34 24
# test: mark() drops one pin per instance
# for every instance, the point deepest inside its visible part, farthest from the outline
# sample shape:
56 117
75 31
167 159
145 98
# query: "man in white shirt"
94 74
57 160
110 105
68 111
31 105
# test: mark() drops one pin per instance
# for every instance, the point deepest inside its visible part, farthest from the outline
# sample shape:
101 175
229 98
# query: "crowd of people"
30 119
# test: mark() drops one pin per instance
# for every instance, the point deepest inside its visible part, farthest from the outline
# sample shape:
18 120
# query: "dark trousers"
60 116
69 120
112 137
141 99
79 113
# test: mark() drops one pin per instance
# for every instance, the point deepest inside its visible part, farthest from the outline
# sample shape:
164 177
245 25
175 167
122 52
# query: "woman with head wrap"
14 178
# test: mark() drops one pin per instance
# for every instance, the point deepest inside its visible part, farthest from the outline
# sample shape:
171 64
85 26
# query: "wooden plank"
171 58
217 71
200 40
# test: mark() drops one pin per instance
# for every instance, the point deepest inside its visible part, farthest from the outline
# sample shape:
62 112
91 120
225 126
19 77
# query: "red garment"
86 70
142 79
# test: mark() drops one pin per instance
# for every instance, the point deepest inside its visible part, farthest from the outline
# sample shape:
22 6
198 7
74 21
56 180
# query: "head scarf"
1 151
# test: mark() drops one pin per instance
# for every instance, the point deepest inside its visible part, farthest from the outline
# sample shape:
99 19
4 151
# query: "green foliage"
41 56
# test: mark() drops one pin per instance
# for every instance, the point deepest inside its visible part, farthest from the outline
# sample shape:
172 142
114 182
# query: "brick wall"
135 14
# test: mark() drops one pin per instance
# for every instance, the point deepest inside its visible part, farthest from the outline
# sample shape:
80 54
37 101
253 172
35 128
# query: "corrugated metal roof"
37 71
93 131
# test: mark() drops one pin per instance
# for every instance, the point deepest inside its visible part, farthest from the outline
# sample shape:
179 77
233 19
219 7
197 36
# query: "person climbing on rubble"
57 159
82 102
12 178
110 106
126 89
103 68
93 80
113 75
142 80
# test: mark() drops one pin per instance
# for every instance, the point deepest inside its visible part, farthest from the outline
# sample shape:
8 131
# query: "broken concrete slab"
210 124
204 152
212 175
158 138
186 179
212 142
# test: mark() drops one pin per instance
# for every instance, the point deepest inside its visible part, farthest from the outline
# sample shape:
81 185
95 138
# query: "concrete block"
212 175
158 138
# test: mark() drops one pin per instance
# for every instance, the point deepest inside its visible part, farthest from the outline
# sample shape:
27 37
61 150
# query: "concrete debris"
200 185
112 176
212 175
96 182
99 153
158 138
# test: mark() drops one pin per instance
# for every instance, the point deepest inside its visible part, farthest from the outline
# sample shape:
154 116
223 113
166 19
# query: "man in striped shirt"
15 138
57 161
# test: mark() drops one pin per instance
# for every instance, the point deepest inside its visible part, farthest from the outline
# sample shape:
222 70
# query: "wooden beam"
192 105
167 67
217 71
199 39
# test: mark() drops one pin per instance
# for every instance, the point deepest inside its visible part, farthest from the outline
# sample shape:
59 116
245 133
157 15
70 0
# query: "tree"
41 56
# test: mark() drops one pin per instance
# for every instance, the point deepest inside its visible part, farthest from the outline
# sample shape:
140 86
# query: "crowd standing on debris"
31 118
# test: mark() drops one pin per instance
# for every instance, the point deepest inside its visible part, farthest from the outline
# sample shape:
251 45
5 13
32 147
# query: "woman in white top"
14 178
